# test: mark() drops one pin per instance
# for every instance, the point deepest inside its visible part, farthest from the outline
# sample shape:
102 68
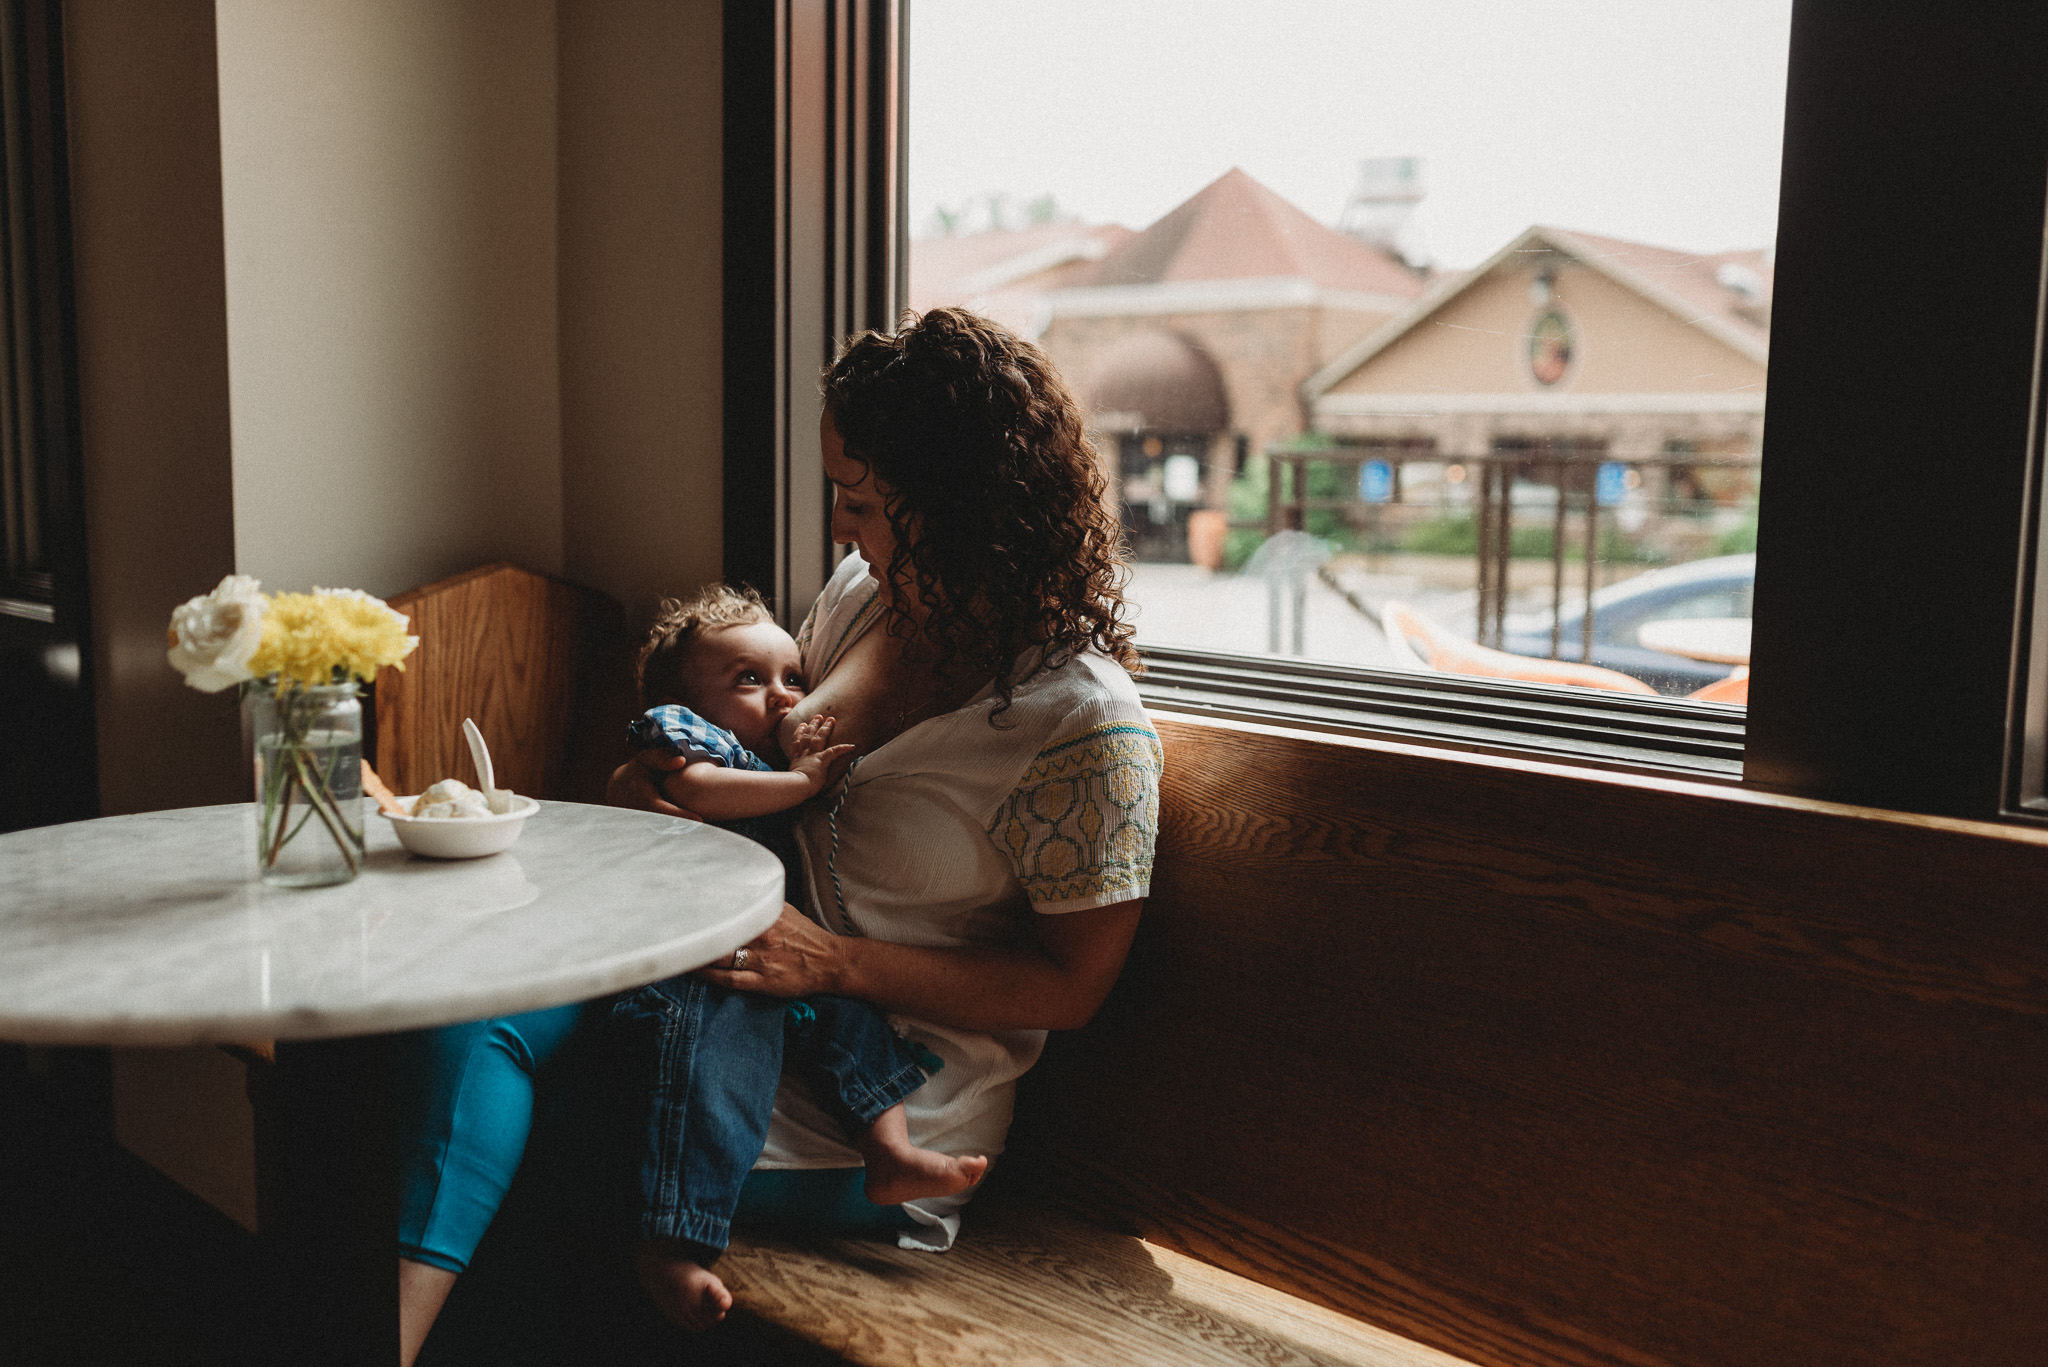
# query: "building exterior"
1237 323
1567 375
1567 340
1005 273
1255 283
1189 341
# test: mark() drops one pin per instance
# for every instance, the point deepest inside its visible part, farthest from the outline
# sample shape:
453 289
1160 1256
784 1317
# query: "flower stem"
322 803
284 808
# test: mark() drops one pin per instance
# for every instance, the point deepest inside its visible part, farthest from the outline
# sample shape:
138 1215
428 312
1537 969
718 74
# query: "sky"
1653 120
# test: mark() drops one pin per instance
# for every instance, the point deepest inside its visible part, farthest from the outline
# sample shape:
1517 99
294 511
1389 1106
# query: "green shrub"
1451 535
1247 504
1458 534
1737 540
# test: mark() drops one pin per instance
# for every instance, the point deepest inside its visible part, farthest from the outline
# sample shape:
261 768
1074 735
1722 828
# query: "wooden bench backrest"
540 664
1543 1069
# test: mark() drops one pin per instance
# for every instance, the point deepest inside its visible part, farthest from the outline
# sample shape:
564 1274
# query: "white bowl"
460 837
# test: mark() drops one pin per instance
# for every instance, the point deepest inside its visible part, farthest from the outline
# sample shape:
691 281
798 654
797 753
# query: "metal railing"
1589 484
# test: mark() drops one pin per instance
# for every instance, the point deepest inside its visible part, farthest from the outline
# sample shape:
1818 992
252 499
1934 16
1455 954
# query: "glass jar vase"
307 744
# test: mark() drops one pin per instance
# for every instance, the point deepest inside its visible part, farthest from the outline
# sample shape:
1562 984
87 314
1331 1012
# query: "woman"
978 868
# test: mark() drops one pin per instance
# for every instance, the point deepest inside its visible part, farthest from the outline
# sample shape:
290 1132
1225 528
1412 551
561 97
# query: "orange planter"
1207 527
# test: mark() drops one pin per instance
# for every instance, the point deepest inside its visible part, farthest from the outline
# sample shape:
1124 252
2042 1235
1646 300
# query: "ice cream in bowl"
452 820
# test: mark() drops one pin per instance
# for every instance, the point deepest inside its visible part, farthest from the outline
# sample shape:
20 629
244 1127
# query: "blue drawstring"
832 860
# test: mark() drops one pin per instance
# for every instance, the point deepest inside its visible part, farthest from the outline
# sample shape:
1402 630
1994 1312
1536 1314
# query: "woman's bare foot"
899 1171
688 1294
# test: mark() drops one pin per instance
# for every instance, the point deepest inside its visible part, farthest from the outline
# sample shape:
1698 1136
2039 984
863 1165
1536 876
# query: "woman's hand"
792 958
1056 983
637 784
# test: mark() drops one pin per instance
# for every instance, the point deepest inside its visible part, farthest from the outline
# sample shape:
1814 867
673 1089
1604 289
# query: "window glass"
1411 336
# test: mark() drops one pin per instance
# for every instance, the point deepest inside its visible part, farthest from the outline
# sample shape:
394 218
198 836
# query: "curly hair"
982 449
680 624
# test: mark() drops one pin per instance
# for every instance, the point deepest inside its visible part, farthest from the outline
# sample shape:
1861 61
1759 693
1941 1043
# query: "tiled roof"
984 269
1734 287
1236 229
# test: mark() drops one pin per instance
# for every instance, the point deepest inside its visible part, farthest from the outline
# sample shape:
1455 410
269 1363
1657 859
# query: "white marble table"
152 929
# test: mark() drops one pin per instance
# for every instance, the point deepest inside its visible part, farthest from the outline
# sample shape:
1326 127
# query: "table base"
328 1190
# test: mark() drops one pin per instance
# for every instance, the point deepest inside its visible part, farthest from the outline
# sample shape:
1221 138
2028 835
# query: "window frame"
1915 156
2026 772
815 249
1908 126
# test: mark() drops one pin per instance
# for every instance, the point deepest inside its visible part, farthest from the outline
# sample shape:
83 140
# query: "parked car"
1720 587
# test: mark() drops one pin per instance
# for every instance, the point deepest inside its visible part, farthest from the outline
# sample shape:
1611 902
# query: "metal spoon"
499 798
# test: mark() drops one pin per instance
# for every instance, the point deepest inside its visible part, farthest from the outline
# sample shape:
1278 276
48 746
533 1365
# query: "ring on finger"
739 959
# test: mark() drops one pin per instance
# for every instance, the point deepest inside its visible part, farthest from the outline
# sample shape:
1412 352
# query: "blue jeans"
469 1097
706 1059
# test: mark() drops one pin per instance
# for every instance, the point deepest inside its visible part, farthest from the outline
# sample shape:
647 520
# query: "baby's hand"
810 737
811 751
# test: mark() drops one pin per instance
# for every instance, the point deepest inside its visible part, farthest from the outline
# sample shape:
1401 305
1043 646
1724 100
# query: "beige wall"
1477 343
153 384
389 178
641 375
434 310
364 298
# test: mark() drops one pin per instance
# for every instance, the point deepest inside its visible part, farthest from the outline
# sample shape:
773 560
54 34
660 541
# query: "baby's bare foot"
906 1174
688 1295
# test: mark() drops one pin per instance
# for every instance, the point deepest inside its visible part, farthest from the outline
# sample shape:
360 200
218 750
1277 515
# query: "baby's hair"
678 623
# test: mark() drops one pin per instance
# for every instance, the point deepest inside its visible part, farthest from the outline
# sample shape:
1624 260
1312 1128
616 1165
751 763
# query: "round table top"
152 929
1717 640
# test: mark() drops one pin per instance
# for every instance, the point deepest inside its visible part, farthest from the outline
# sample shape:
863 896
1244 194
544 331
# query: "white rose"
213 636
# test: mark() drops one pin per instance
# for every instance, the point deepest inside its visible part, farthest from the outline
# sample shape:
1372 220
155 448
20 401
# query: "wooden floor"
1029 1287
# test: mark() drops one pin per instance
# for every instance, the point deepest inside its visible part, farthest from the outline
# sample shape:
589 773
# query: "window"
1903 368
1343 365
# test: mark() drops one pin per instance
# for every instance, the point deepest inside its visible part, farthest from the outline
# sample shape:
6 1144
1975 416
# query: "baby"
717 676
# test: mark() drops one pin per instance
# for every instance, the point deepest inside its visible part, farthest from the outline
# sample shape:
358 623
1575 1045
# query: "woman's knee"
471 1104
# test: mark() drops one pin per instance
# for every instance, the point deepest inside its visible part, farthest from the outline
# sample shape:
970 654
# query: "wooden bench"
1055 1269
542 665
1512 1062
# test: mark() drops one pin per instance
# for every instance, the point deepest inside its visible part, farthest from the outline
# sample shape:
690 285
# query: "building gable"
1628 331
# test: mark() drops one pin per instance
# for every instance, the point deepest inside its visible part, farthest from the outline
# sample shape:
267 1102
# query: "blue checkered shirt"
680 731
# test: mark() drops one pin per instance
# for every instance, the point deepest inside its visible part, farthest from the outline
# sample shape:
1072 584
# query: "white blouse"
954 833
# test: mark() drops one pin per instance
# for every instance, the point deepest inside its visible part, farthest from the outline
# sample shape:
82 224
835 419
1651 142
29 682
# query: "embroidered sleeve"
1080 826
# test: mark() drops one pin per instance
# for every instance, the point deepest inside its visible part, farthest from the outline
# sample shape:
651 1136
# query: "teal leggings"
469 1106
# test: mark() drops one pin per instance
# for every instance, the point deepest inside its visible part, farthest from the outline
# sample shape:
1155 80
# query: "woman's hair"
996 497
679 624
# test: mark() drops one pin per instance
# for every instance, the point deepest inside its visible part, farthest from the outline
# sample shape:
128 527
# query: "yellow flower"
310 637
